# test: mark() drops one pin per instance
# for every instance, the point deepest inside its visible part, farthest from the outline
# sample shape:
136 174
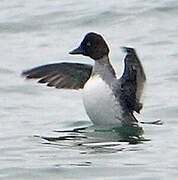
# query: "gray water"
44 31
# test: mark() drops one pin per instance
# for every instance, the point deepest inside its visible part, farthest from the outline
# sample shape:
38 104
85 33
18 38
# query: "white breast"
100 103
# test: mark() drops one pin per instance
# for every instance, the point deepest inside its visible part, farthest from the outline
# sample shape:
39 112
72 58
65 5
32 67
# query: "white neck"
103 68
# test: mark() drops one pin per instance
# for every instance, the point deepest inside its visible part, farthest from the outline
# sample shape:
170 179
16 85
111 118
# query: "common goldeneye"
107 100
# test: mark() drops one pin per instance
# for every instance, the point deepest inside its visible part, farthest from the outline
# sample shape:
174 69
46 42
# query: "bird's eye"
88 44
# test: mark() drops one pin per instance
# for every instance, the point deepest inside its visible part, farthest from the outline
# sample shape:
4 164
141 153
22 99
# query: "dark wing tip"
26 74
29 74
127 49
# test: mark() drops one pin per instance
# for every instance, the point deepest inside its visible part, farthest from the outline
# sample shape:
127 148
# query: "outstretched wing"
61 75
132 81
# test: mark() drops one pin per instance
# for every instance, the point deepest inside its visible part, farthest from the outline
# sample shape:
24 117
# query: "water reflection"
94 139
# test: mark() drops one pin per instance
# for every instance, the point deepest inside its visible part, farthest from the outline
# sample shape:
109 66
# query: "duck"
108 100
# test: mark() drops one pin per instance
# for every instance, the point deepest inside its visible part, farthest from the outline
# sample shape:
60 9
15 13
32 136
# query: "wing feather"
132 81
61 75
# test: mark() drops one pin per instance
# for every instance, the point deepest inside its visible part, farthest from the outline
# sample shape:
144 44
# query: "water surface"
38 32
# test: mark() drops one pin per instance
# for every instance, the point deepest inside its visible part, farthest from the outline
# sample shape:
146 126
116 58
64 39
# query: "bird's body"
99 99
100 102
107 100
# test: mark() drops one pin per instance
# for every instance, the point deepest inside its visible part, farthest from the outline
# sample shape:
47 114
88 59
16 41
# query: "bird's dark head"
93 45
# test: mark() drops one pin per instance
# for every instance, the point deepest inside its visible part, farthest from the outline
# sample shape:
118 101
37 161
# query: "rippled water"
39 131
